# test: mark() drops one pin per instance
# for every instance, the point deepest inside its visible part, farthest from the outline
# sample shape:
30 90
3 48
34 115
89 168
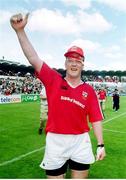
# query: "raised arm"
18 23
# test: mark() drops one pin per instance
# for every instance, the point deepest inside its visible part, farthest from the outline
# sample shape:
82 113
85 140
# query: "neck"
73 81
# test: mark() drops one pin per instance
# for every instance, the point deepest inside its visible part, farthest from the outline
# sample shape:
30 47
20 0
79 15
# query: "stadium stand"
16 78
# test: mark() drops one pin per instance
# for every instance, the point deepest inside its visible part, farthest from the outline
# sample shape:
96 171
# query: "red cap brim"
73 55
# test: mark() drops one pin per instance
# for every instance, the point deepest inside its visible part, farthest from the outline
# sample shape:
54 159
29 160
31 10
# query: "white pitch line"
36 150
21 156
114 131
114 118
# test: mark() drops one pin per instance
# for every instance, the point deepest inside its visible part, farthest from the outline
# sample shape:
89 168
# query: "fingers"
18 18
99 157
26 16
100 153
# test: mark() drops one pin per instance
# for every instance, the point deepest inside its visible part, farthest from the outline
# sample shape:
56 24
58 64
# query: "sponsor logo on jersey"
65 98
84 95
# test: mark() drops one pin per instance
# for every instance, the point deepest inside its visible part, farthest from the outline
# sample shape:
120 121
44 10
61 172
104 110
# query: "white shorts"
60 148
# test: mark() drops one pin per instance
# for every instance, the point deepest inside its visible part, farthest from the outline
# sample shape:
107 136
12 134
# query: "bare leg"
56 177
79 174
41 123
41 126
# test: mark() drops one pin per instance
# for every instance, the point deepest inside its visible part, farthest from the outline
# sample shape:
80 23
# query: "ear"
66 63
82 66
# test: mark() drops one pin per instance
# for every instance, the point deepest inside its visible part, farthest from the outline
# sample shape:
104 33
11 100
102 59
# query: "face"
74 67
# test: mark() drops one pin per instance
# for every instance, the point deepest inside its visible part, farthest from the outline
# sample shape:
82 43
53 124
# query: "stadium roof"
6 65
8 62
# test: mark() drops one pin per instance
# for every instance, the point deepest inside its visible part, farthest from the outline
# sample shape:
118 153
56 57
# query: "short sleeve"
94 109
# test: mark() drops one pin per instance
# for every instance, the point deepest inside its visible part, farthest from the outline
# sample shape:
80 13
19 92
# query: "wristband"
100 145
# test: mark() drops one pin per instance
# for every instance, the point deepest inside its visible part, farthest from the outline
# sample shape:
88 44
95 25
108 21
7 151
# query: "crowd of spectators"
114 79
11 83
18 85
19 79
7 73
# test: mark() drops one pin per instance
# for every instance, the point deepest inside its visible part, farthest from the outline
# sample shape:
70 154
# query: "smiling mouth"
73 69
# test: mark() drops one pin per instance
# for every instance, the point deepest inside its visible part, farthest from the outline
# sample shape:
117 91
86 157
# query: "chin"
74 75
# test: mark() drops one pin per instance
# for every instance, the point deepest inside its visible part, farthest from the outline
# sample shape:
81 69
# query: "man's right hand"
18 22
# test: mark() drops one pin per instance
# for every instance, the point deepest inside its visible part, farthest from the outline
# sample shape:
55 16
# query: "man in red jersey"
102 97
71 104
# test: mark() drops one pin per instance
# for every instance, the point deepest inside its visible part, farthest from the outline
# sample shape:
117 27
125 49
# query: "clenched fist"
18 22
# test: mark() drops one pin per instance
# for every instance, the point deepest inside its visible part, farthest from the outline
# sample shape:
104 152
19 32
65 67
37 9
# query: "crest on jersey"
84 95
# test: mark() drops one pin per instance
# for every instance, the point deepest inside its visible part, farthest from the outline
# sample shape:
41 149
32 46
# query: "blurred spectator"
116 100
102 97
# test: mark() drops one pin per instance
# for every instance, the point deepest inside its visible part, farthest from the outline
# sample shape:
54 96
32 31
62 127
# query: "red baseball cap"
74 50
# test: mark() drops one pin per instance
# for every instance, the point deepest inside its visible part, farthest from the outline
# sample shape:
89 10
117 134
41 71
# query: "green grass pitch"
22 149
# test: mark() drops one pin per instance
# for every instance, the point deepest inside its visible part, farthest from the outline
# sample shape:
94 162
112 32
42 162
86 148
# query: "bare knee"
79 174
56 177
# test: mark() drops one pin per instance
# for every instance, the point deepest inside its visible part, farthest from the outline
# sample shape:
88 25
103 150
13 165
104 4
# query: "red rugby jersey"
68 108
102 94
